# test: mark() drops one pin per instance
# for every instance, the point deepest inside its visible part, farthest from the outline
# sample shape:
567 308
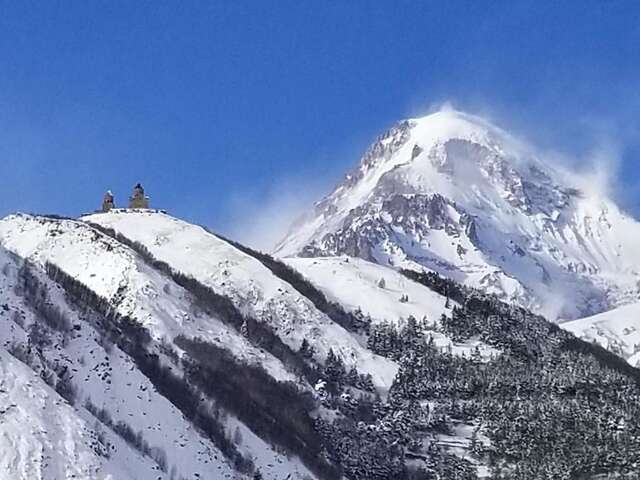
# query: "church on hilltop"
137 201
108 202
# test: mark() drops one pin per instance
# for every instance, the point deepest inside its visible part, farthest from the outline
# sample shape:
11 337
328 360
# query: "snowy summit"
135 345
452 193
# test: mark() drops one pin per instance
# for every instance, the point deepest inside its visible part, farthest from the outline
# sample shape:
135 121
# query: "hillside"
248 283
107 377
162 350
42 437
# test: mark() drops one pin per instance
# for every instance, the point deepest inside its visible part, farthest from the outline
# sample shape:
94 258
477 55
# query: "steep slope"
118 274
251 286
69 345
42 437
454 194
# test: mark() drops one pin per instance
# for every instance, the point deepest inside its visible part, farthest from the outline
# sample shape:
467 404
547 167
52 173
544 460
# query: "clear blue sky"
222 108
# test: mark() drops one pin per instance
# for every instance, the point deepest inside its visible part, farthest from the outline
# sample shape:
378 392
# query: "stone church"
108 202
137 200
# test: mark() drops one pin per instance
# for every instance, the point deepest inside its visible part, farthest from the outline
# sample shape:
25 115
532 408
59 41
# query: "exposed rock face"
452 193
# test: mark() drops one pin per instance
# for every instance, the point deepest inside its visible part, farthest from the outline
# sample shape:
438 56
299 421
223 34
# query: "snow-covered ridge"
248 283
116 273
105 376
452 193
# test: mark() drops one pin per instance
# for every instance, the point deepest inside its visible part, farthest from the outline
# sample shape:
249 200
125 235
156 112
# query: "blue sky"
227 110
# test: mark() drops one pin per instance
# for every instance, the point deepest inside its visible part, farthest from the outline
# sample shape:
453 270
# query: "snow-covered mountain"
454 194
75 349
134 345
74 292
248 283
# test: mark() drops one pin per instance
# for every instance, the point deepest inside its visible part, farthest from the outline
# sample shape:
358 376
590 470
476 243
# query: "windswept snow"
452 193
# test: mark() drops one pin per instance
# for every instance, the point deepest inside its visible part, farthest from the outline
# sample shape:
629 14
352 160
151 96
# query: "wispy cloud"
595 146
262 220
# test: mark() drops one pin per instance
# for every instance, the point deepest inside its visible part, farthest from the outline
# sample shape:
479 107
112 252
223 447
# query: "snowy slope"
354 284
116 273
42 437
248 283
104 375
452 193
617 330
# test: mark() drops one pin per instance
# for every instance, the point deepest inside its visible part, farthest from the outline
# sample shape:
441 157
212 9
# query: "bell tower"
108 202
138 199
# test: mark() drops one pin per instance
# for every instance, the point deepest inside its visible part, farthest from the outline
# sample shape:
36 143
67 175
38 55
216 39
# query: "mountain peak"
451 122
453 193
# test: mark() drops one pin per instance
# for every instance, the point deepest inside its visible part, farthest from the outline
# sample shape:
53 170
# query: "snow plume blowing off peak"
452 193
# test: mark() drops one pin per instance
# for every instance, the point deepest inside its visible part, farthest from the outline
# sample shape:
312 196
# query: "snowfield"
617 330
355 284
